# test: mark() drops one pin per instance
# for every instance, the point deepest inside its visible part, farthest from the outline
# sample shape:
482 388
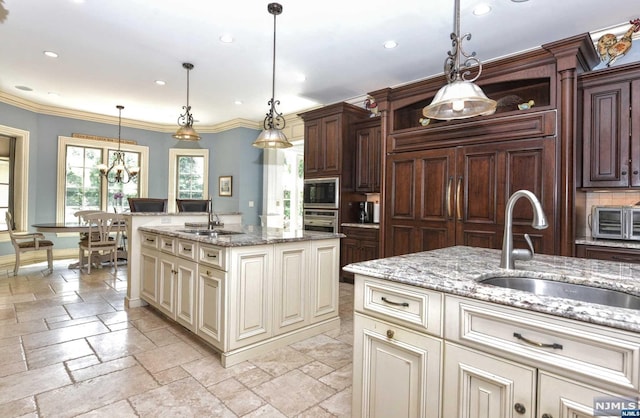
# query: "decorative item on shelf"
185 121
372 106
527 105
272 135
117 202
424 121
460 98
610 48
118 172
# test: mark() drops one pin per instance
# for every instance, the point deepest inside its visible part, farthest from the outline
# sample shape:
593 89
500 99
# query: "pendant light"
185 121
272 135
118 172
460 98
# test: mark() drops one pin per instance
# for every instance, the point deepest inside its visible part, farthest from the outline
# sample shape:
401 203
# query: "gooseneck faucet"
509 254
212 213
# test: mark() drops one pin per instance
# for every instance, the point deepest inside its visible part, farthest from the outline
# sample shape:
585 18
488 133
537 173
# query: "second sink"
566 290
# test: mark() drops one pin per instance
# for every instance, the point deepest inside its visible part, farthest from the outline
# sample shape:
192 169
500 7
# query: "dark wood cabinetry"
626 255
368 137
328 147
457 195
611 128
360 244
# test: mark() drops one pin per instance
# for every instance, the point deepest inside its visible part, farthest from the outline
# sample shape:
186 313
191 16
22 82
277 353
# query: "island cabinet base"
247 300
424 353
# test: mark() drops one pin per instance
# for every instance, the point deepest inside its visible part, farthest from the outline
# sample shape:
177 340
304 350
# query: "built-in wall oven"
322 220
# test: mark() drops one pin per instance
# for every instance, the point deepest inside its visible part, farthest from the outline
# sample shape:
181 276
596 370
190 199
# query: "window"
7 158
80 185
188 175
15 178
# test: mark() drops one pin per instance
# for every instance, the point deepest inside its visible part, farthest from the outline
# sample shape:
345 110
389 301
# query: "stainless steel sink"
582 293
210 232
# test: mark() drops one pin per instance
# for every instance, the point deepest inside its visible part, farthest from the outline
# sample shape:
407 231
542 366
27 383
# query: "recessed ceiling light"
160 82
238 102
24 88
481 9
390 44
301 77
50 54
77 1
519 1
227 39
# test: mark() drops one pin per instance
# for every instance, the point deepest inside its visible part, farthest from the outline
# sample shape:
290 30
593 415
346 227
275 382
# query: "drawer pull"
168 244
520 408
150 240
547 416
212 255
390 333
390 302
187 249
537 344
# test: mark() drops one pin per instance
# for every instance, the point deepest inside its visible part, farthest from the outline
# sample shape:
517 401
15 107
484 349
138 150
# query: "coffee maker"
366 212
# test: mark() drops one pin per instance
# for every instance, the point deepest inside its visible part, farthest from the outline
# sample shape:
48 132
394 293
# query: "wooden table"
60 227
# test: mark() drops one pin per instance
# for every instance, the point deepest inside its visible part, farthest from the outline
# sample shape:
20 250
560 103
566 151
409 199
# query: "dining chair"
192 205
147 204
25 242
102 238
82 221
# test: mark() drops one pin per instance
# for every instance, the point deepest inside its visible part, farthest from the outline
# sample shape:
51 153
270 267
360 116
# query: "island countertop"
457 270
241 235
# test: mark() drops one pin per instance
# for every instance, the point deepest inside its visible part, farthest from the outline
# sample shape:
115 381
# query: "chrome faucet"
509 254
211 214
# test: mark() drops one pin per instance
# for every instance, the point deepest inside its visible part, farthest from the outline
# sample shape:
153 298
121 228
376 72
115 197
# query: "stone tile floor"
69 348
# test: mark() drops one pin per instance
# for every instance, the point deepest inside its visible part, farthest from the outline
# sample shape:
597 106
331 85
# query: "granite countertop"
599 242
456 270
176 213
361 225
243 235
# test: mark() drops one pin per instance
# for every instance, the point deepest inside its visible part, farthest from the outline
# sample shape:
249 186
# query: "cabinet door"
563 398
606 135
368 146
324 273
331 145
211 308
148 268
312 147
625 255
250 296
396 372
479 385
186 273
166 285
291 272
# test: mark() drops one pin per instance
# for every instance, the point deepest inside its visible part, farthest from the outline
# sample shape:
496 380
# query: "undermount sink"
578 292
210 232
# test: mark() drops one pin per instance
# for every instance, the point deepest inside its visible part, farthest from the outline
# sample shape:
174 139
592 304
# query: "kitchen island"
431 340
245 290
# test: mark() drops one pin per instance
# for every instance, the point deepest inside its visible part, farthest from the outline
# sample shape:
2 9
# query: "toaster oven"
616 222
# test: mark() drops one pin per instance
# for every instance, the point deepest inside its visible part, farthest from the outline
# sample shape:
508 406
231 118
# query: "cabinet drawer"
624 255
364 234
410 306
167 244
149 240
582 350
212 256
187 249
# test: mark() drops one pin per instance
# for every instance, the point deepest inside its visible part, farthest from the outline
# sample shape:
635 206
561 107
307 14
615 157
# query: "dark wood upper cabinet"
328 146
610 128
368 138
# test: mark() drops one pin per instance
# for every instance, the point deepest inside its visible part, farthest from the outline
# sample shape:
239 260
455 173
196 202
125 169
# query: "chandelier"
460 98
272 135
185 121
118 172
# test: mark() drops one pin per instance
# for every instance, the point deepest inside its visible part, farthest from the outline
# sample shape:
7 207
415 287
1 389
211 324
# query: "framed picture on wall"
224 185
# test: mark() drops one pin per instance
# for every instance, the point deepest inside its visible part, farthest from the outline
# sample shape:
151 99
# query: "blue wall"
230 153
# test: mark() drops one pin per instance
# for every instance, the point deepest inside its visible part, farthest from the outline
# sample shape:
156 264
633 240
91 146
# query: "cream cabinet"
323 279
291 288
148 267
211 305
396 372
496 361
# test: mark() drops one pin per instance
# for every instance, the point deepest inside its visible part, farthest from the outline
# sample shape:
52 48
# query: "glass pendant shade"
272 135
186 133
459 100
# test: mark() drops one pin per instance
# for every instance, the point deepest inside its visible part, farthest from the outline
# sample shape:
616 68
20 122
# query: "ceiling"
112 51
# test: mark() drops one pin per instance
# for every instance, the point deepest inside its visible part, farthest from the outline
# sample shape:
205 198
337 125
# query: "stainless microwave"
616 222
321 193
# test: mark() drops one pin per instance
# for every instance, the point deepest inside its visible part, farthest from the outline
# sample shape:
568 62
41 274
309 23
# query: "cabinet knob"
624 173
390 333
635 172
547 416
520 408
208 273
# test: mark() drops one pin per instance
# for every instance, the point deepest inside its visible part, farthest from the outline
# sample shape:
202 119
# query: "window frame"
20 180
174 153
105 145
